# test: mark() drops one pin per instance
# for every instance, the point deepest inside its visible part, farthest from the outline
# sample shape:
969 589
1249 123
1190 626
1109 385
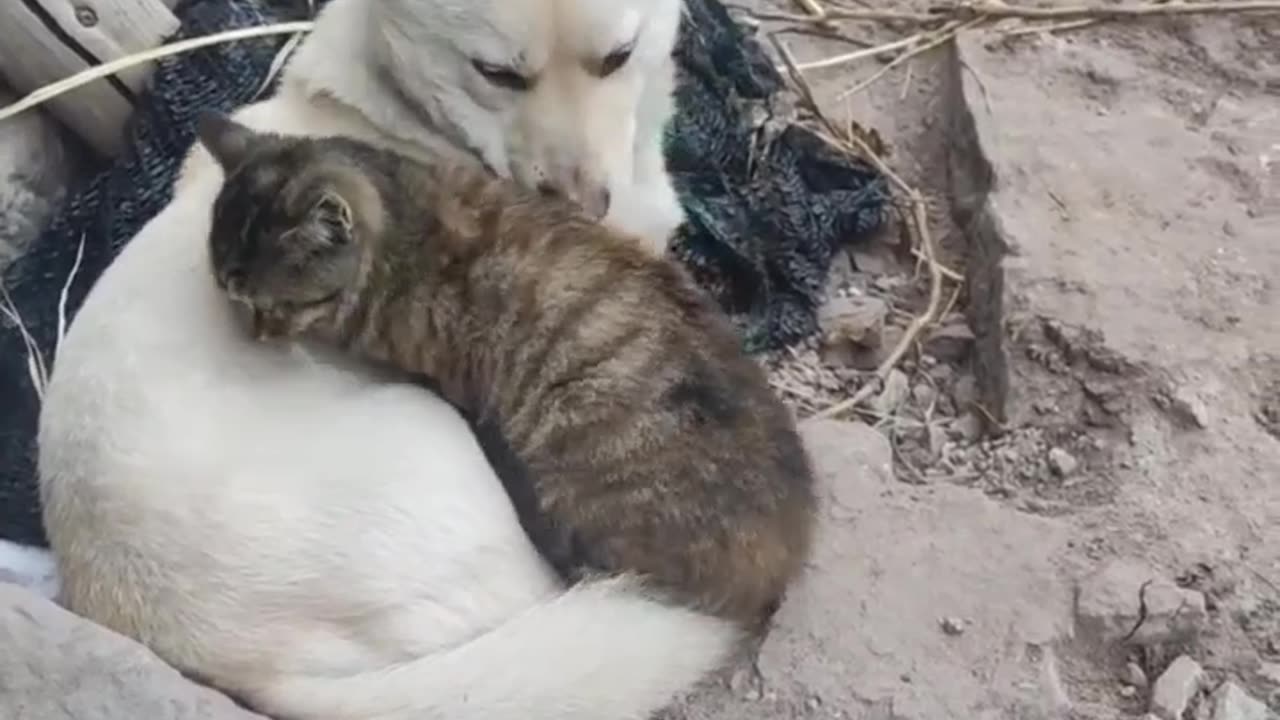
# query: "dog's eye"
614 61
503 77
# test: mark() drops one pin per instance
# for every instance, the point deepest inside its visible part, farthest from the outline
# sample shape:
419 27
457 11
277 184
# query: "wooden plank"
47 40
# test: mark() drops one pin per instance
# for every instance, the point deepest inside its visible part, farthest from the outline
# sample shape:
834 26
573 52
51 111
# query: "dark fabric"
769 204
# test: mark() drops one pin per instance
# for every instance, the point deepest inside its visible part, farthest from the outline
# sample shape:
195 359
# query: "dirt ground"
1072 506
1067 502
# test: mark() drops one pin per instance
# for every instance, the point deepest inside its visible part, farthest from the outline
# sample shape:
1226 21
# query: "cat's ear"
330 220
226 140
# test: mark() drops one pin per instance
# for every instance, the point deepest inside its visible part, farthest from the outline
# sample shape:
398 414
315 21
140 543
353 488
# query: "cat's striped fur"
641 437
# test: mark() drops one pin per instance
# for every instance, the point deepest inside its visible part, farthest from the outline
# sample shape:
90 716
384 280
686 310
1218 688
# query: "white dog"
320 541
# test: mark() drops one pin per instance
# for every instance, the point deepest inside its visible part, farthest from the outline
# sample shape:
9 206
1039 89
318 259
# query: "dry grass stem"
997 10
1038 28
856 55
937 38
43 94
851 143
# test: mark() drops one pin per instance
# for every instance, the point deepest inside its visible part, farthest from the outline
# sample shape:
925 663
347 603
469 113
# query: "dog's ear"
226 140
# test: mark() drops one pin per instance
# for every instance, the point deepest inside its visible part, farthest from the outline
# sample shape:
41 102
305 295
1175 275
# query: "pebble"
1175 688
896 389
1133 675
965 392
852 331
942 373
950 342
937 440
952 625
1064 464
874 260
924 394
1231 702
967 427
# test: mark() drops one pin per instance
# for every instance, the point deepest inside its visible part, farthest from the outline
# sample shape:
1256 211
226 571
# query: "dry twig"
937 38
850 142
43 94
997 10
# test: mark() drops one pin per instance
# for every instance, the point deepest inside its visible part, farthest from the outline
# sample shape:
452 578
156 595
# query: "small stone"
942 373
1133 675
1063 463
967 427
1231 702
924 394
852 331
952 625
876 259
1110 604
856 319
896 388
965 392
937 440
950 342
1175 688
813 703
1186 402
746 683
1128 692
888 283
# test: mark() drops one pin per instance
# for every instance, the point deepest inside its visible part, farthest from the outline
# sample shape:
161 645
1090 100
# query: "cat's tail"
600 651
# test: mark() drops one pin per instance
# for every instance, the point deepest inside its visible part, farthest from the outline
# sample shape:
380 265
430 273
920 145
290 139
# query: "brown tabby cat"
638 435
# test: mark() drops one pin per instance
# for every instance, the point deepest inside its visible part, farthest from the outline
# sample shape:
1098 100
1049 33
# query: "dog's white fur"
292 528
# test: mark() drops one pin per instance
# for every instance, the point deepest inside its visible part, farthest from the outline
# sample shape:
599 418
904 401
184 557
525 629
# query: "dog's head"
545 91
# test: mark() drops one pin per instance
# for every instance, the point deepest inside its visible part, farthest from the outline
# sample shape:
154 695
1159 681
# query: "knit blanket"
769 204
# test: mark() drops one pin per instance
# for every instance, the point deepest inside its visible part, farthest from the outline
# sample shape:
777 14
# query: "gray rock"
56 666
1110 602
1064 464
967 427
1134 676
951 342
858 320
1231 702
1174 689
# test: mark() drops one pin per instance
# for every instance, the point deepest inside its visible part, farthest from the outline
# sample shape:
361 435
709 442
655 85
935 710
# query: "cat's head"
288 226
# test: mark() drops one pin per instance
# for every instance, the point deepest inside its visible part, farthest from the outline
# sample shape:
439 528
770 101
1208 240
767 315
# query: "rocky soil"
1083 519
1066 502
